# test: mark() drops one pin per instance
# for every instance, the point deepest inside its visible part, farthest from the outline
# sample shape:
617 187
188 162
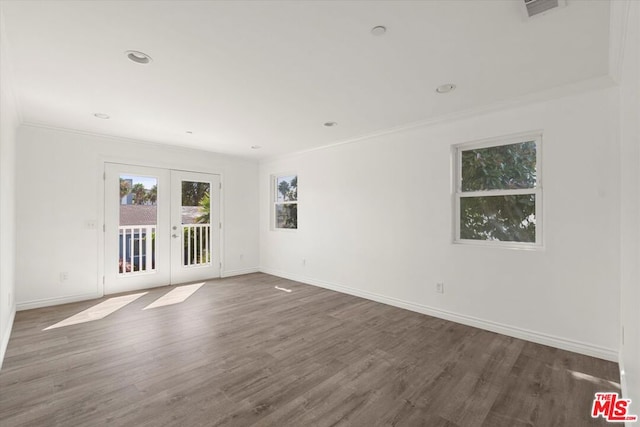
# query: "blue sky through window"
147 181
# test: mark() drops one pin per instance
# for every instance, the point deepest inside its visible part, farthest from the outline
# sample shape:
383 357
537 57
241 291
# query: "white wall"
8 125
375 220
630 208
59 179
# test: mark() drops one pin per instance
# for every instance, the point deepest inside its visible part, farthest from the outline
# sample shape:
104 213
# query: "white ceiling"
270 73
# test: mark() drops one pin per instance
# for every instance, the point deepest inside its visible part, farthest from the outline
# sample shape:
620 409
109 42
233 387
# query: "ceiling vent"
537 7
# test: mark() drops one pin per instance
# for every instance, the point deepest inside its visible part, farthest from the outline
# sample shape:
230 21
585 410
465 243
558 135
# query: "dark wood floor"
241 353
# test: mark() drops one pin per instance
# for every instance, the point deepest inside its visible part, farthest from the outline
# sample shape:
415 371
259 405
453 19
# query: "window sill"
284 230
499 245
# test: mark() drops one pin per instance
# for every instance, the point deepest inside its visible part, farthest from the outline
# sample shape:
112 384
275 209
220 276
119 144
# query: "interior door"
137 224
195 226
161 227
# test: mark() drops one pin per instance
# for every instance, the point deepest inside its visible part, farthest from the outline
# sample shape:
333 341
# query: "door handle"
175 236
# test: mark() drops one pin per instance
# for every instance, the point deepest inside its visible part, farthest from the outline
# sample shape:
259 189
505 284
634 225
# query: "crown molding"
151 144
597 83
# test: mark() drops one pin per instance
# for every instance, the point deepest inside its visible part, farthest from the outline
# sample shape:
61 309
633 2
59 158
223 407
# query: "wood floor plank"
239 352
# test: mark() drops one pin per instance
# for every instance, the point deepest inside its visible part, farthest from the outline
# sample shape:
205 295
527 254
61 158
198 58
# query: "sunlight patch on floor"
594 380
98 311
175 296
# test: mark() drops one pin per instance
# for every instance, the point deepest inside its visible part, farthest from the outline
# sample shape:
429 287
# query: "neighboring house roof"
190 214
148 214
138 215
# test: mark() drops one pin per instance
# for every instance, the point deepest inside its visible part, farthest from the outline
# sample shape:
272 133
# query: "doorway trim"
100 191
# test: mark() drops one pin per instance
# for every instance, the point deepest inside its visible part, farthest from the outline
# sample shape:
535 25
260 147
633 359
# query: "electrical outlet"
9 299
304 262
90 225
64 276
440 287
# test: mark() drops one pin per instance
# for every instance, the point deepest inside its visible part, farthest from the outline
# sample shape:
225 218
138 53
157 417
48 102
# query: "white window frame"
275 203
456 161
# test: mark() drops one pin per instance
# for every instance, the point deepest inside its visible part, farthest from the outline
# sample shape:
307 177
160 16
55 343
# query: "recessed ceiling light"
101 116
256 147
445 88
330 124
378 30
190 132
138 57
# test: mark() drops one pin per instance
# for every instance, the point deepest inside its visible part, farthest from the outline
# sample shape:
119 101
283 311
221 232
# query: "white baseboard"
28 305
512 331
6 335
229 273
47 302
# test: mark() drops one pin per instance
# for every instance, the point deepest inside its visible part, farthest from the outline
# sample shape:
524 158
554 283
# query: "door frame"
100 192
189 274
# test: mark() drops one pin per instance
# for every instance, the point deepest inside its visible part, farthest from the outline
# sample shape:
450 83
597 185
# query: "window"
285 197
498 195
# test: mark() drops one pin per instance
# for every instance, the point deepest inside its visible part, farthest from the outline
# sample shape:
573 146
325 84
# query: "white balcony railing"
138 247
196 250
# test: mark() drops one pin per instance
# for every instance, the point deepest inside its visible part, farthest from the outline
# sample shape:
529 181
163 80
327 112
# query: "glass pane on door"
196 223
137 226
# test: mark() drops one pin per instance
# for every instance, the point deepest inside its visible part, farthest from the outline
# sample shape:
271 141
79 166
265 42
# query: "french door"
161 227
